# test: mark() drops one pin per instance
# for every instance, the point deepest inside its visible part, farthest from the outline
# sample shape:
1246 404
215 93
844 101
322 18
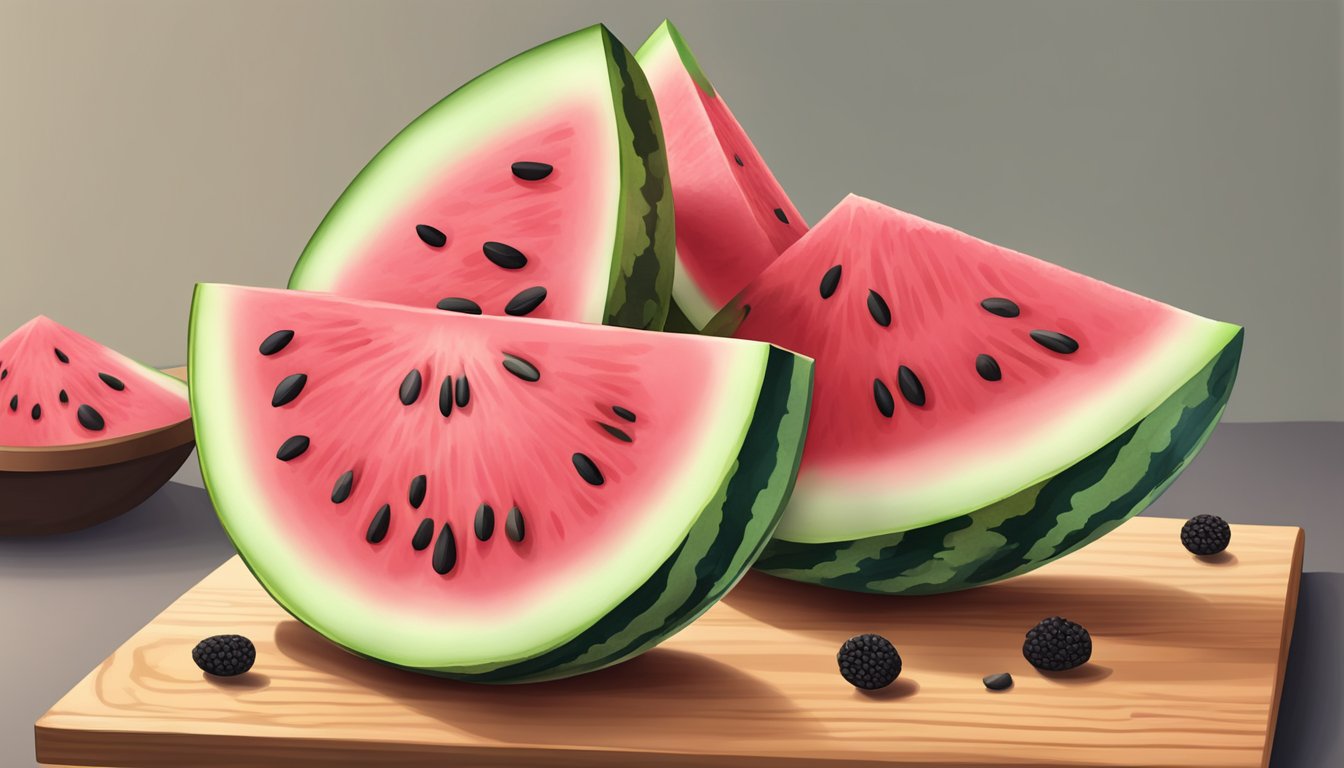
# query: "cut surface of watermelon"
487 498
956 377
733 217
540 188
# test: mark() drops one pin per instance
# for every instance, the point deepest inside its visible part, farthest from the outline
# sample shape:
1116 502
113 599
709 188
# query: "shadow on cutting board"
1312 707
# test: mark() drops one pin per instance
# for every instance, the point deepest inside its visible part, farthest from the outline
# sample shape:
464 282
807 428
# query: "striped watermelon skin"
1036 525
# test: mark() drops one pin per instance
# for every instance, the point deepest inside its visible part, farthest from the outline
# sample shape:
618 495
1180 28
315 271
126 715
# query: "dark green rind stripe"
715 554
1037 525
640 290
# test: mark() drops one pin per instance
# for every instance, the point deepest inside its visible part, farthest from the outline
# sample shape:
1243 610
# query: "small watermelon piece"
978 412
485 498
85 432
539 188
733 218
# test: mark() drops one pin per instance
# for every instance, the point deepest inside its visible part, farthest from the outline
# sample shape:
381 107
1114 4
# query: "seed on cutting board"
998 682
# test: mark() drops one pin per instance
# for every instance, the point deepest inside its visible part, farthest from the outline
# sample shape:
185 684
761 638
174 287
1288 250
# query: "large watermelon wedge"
978 412
484 498
733 218
540 188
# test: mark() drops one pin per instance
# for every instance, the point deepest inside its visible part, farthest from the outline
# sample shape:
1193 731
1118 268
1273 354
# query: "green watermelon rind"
1034 526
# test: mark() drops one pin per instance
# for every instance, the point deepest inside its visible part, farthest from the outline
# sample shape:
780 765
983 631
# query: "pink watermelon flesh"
733 218
951 372
58 387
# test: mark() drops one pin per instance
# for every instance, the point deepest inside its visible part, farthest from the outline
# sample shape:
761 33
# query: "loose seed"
587 469
988 368
882 396
830 281
275 342
877 307
445 551
513 525
485 522
999 682
64 358
423 535
344 484
616 433
289 450
112 381
459 304
529 171
416 495
463 394
446 396
1001 307
89 418
432 237
521 368
624 413
410 387
527 300
382 519
288 389
1055 341
911 388
504 256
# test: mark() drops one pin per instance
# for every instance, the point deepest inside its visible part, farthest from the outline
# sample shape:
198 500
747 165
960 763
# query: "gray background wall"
1186 149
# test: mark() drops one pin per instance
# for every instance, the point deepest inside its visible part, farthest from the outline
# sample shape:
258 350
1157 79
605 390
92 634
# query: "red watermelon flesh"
61 388
733 217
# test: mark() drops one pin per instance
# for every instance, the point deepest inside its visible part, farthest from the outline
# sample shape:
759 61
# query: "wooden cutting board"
1188 663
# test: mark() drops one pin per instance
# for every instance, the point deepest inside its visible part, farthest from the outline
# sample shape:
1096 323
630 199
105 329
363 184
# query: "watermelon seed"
64 397
485 522
877 307
463 394
289 450
746 311
64 358
341 490
446 397
779 214
14 403
882 396
458 304
513 525
423 535
112 381
911 389
624 413
830 281
1001 307
1055 342
615 432
288 389
527 300
89 418
378 526
521 368
417 493
4 374
275 342
37 411
528 171
445 551
587 469
738 159
504 256
432 237
988 368
410 387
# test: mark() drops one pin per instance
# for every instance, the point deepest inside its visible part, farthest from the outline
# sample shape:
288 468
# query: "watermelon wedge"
485 498
733 218
539 188
978 412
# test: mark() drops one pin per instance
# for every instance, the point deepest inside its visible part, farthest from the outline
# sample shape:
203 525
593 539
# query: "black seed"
458 304
779 214
289 450
485 522
587 469
445 551
288 389
505 256
528 171
616 433
410 387
624 413
64 397
830 281
432 237
527 300
416 495
112 381
37 411
463 394
1001 307
14 403
521 368
911 388
276 342
61 355
1055 341
446 396
4 374
513 525
988 368
882 396
738 159
877 307
379 524
999 682
344 484
88 417
423 535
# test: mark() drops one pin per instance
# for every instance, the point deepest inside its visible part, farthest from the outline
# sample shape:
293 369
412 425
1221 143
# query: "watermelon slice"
978 412
483 498
85 433
539 188
733 218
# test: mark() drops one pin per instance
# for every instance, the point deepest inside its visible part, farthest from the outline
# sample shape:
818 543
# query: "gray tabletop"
71 600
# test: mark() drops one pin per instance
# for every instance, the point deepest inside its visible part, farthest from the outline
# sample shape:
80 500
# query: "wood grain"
1189 658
